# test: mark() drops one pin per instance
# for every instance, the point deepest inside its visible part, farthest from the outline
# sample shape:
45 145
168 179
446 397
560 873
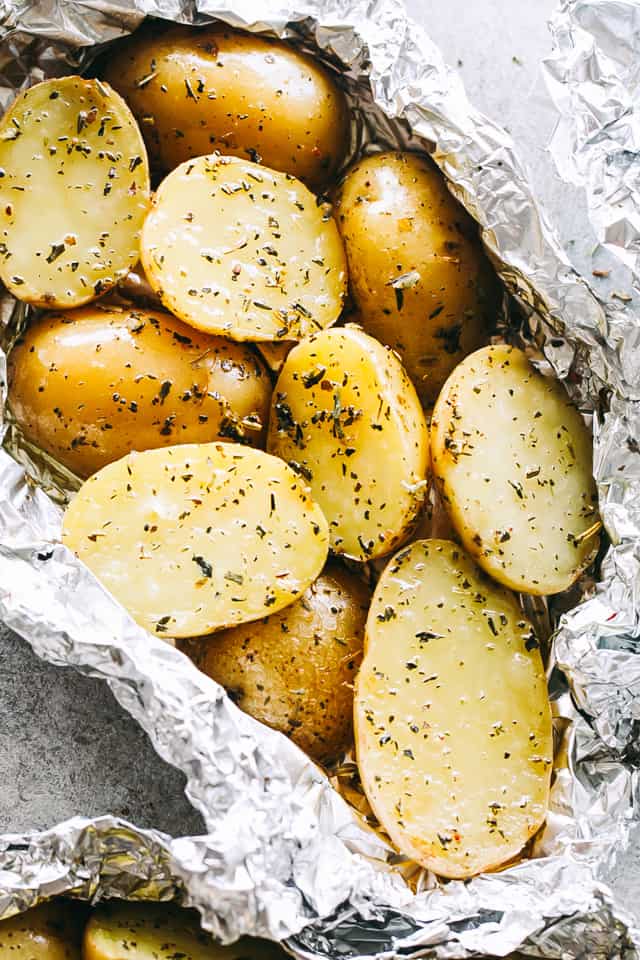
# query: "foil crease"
285 856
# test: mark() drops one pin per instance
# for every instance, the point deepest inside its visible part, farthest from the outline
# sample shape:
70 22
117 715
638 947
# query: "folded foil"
285 855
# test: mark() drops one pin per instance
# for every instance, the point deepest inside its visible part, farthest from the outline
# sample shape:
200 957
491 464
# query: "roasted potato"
295 669
452 718
91 385
74 191
345 416
238 249
52 931
198 537
161 931
418 275
513 461
196 91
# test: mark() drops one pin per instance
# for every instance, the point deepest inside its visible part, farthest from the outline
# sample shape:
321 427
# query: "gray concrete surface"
65 745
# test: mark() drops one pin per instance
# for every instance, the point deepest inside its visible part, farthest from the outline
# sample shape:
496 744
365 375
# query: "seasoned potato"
345 416
238 249
161 931
74 191
513 461
197 537
418 274
91 385
196 91
295 669
52 931
452 718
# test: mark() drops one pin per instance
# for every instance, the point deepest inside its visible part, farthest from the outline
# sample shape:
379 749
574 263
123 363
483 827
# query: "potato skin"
419 277
294 670
196 91
51 931
90 385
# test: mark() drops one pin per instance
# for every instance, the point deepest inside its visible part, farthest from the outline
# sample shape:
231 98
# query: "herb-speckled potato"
346 417
417 271
74 192
52 931
295 669
214 88
240 250
513 461
198 537
161 931
91 385
452 718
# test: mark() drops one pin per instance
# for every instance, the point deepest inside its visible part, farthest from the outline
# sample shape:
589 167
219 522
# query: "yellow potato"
197 537
91 385
345 416
238 249
452 718
214 88
513 461
52 931
418 274
161 931
295 669
74 191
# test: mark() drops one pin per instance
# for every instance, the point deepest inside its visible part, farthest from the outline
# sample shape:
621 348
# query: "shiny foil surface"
286 856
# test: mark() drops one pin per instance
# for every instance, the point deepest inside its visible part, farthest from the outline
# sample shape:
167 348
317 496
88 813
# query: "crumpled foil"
285 856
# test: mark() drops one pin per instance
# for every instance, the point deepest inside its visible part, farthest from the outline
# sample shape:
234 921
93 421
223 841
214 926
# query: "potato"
295 669
345 416
197 537
196 91
51 931
452 718
275 353
91 385
161 931
513 461
74 191
418 275
237 249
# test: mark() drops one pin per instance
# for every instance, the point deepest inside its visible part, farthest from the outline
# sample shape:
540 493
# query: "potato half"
74 192
345 416
418 274
93 384
513 461
295 669
161 931
237 249
452 718
197 537
214 88
51 931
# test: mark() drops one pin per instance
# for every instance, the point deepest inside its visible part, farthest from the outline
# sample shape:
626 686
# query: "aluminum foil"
285 855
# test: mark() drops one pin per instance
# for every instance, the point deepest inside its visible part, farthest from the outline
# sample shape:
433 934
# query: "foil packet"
285 855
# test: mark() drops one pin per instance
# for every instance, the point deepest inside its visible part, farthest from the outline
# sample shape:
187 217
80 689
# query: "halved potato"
238 249
161 931
452 718
513 460
199 536
295 669
345 416
51 931
74 192
93 384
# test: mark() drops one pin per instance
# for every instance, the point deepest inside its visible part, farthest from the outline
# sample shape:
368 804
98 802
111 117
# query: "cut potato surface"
93 384
452 718
197 537
51 931
346 417
295 669
237 249
513 460
74 192
161 931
